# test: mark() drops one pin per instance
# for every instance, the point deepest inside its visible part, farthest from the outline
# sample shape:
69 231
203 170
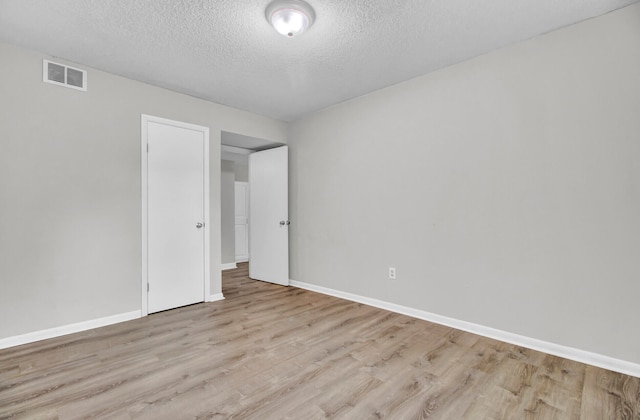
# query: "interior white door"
175 216
242 221
269 215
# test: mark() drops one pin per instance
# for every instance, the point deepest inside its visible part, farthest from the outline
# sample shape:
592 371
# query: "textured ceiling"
226 52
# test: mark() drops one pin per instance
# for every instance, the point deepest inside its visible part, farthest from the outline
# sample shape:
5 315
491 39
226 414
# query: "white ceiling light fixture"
290 17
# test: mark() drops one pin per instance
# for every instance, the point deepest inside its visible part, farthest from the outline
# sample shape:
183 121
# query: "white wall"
70 190
505 190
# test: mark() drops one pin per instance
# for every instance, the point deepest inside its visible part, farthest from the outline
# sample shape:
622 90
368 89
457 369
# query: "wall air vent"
62 75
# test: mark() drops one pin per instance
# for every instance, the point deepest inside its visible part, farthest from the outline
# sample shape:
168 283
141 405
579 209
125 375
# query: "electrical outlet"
392 273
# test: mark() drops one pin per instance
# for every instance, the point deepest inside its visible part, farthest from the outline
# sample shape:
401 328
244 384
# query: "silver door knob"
199 225
285 222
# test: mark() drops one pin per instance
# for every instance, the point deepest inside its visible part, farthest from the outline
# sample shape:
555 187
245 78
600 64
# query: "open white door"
269 216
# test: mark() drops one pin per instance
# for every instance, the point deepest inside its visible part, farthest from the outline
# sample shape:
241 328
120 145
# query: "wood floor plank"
273 352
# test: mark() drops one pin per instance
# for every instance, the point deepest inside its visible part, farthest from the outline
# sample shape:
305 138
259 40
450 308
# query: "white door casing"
242 221
269 216
175 213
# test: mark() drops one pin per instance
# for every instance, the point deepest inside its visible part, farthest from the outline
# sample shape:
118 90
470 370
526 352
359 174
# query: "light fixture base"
290 17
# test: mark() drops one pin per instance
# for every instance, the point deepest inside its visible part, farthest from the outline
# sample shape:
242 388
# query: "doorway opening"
235 189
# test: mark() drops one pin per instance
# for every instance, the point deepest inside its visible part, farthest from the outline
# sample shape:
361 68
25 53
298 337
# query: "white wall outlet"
392 273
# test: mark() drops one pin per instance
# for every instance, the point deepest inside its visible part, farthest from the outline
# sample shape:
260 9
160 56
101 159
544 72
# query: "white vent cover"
62 75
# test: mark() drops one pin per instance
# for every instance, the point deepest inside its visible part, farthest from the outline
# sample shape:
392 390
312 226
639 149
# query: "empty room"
288 209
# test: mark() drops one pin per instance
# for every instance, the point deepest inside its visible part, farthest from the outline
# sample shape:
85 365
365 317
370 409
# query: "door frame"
144 120
235 184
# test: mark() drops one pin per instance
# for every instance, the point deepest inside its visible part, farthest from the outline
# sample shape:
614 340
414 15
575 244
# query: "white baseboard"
582 356
67 329
228 266
242 260
217 296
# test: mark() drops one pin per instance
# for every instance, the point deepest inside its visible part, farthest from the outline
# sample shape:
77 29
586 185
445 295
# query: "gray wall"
70 190
242 172
505 190
228 216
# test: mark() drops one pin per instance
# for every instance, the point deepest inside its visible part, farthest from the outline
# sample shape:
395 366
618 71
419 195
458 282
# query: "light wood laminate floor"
272 352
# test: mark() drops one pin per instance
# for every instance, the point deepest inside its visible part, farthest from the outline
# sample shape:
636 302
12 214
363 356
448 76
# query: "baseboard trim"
67 329
582 356
215 297
242 260
228 266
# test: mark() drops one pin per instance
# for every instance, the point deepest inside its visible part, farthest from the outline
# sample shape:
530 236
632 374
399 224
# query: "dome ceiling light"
290 17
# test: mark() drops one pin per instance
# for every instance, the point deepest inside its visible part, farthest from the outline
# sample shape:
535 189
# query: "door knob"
285 222
199 225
